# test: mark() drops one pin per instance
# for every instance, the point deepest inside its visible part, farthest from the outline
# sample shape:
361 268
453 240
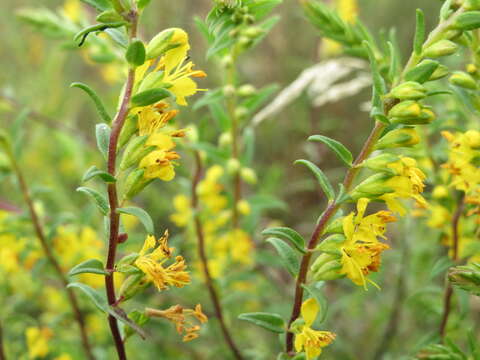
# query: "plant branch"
2 350
49 252
203 258
447 298
113 198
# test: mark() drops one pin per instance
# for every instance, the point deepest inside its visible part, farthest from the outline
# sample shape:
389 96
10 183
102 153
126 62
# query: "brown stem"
2 350
113 198
327 215
49 253
203 257
447 298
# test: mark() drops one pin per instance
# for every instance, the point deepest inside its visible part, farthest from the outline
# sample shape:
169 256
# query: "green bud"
372 187
380 162
466 277
166 40
328 271
128 259
252 32
423 71
241 112
426 117
4 139
135 151
233 166
246 90
403 137
135 183
409 90
469 20
439 73
331 246
405 109
225 139
440 48
109 16
227 61
229 90
5 165
471 4
132 286
464 80
249 175
128 129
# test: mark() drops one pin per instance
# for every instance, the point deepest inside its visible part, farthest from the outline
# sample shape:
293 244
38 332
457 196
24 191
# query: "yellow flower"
158 163
72 10
37 341
310 340
407 183
361 250
151 260
153 117
182 205
63 357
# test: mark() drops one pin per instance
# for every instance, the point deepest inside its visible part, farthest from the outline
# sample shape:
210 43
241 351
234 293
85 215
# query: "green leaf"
109 16
96 100
149 97
342 152
136 54
100 5
419 33
121 316
288 234
92 266
468 21
98 300
269 321
138 318
445 10
378 82
322 302
321 177
287 255
94 172
98 199
422 72
83 34
102 132
142 215
142 4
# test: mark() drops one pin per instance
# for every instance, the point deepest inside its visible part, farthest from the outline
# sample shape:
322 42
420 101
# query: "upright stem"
113 198
447 298
318 231
49 253
2 350
203 258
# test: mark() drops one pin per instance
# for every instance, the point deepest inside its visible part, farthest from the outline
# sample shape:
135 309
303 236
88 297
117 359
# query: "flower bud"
228 90
134 151
372 187
466 277
471 4
409 90
246 90
440 72
252 32
249 175
440 192
132 286
233 166
166 40
473 139
227 61
241 112
192 134
423 71
225 139
440 48
405 109
128 129
403 137
135 183
380 162
326 269
469 20
243 207
472 69
464 80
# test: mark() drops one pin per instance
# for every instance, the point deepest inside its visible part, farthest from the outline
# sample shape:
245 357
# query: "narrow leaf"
96 100
121 316
82 34
92 266
288 234
149 97
94 172
419 33
378 82
136 54
269 321
102 132
321 177
287 255
142 215
342 152
98 199
100 5
98 300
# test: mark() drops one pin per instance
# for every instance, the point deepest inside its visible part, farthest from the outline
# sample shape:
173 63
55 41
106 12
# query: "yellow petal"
309 311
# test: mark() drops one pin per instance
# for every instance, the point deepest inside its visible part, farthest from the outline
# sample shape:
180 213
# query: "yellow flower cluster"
151 262
183 319
223 246
307 339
